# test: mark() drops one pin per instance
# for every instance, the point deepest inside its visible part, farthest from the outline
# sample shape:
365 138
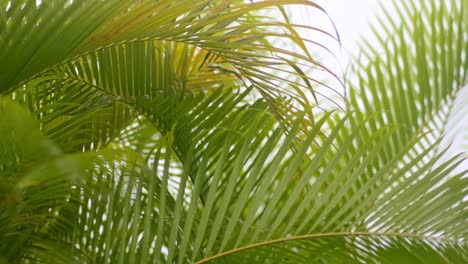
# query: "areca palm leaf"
348 248
36 179
244 205
248 200
92 199
136 52
229 31
45 34
76 116
53 200
125 198
250 203
414 83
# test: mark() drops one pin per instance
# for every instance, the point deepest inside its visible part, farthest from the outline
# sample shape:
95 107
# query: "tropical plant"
196 131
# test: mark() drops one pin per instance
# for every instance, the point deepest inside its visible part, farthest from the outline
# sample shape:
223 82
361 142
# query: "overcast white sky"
351 18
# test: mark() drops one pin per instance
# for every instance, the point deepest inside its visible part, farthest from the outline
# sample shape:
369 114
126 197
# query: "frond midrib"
326 235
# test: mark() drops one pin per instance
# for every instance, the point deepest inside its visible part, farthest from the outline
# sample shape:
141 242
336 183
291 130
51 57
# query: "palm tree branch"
330 234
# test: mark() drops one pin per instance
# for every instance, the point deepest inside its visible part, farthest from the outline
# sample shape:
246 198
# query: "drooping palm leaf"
136 51
250 201
415 70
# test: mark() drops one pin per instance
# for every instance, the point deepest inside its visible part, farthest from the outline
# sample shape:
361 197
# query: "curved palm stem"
323 235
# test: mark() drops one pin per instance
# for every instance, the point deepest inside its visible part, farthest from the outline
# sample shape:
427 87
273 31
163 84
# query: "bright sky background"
351 18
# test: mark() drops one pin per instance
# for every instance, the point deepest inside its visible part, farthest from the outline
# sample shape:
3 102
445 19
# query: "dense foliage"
179 131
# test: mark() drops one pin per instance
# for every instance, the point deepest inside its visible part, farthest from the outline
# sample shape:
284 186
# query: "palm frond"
36 180
414 72
76 116
348 248
229 36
